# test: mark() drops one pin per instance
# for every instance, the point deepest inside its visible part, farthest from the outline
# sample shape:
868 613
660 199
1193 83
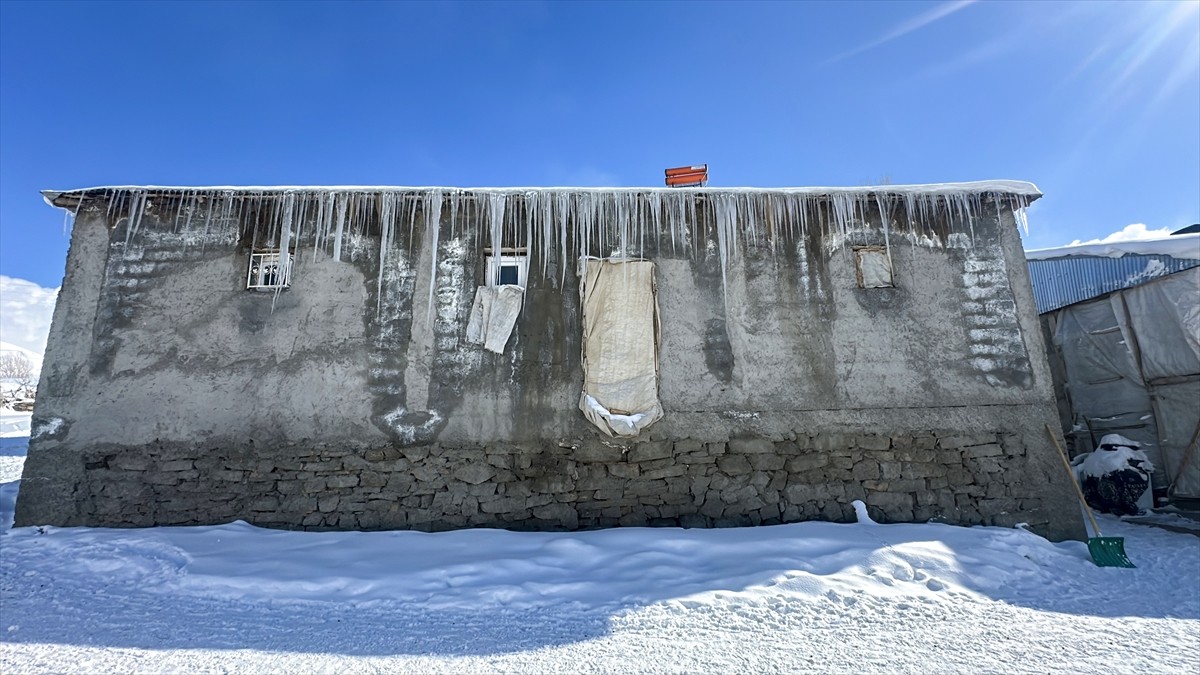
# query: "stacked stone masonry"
568 485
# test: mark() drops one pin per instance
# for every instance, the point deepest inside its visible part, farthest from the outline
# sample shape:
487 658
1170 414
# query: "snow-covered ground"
811 597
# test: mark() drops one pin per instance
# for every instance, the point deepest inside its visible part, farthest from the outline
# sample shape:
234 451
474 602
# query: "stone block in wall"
895 505
701 457
865 469
890 470
713 507
799 493
844 462
834 443
965 441
426 473
594 482
356 463
500 461
505 505
921 470
873 442
561 514
665 472
993 507
748 446
806 462
985 465
342 481
770 513
831 511
177 465
372 479
735 495
917 455
680 485
734 465
416 453
986 450
599 451
959 476
767 462
554 484
672 498
688 446
634 520
624 470
652 450
475 473
642 487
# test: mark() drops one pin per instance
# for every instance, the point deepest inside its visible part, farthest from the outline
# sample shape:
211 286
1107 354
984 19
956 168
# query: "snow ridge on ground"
808 597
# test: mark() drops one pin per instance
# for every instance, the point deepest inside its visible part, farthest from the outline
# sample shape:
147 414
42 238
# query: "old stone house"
544 358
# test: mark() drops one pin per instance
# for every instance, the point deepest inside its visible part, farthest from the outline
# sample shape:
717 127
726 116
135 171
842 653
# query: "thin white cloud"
905 27
25 312
1132 232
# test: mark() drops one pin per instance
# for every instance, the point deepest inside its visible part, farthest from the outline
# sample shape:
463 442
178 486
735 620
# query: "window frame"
265 256
507 258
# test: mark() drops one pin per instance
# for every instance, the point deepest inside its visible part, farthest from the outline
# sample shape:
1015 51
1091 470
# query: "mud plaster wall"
352 400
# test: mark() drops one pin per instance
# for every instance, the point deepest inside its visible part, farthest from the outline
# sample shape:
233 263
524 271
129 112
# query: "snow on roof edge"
1013 187
1182 246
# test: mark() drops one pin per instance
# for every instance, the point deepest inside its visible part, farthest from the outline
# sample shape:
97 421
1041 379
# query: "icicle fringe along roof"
612 221
62 198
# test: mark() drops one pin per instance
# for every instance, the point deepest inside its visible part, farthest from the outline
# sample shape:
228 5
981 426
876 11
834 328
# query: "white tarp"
1166 318
620 345
1132 363
493 316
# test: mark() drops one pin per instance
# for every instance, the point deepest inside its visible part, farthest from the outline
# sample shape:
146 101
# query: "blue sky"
1098 103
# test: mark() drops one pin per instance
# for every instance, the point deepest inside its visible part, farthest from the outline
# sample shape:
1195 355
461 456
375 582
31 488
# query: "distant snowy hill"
35 359
25 312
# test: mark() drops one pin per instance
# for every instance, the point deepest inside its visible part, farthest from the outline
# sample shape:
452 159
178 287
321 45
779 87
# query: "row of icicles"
618 223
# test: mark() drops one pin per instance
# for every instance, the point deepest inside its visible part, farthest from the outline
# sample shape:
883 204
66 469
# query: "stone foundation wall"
976 479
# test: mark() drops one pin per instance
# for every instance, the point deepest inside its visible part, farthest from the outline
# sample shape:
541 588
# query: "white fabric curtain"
620 345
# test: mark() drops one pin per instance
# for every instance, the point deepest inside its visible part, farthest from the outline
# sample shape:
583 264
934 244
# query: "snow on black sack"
1114 476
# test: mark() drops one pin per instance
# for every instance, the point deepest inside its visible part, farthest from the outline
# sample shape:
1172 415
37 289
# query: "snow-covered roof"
1029 191
1069 274
1185 246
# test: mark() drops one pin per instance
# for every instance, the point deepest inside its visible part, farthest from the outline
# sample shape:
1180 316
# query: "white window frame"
258 270
496 262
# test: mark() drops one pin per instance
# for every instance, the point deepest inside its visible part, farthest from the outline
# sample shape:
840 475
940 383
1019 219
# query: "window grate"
268 271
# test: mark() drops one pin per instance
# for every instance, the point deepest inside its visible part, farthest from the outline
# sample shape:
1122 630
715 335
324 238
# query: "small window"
507 269
873 267
267 271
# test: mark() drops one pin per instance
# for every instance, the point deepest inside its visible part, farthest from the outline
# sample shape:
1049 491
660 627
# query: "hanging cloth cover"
493 316
620 345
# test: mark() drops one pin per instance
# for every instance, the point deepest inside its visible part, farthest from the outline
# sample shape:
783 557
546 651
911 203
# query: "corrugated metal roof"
1058 282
